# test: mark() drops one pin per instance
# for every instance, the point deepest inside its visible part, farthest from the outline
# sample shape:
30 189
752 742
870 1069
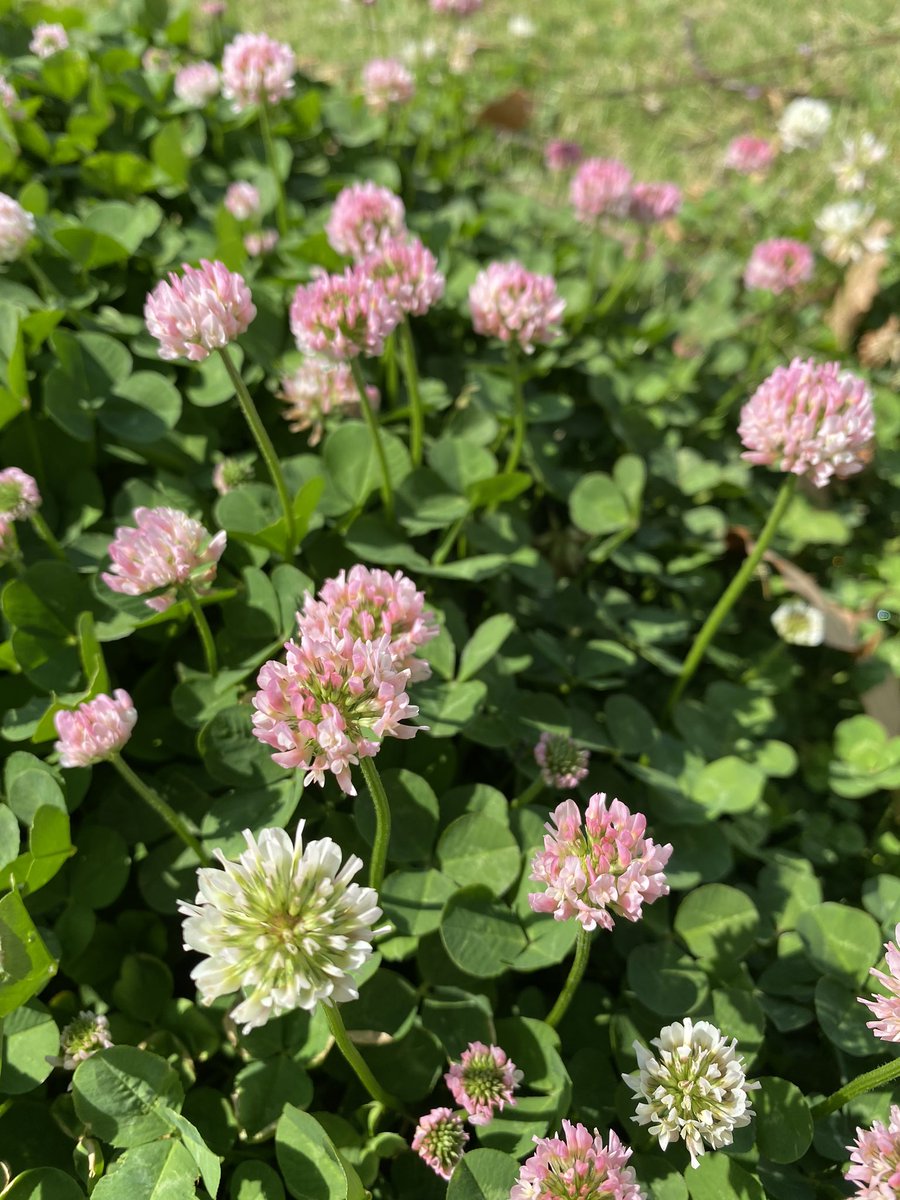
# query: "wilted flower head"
362 217
439 1139
577 1166
196 84
600 187
860 154
483 1080
242 200
9 98
229 474
459 8
385 83
257 70
82 1037
331 703
562 761
749 155
48 38
804 123
778 265
598 867
847 232
809 418
368 603
515 305
260 242
16 228
887 1008
560 155
875 1156
654 202
694 1089
342 316
283 925
167 550
201 310
319 387
20 497
95 730
881 346
799 623
408 272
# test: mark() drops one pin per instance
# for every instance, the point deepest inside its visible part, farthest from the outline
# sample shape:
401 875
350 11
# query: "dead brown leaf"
855 296
512 112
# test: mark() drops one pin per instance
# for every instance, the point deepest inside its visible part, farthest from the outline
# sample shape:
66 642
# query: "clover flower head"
20 497
317 389
654 202
331 703
168 549
16 228
599 865
809 418
694 1088
847 231
750 155
887 1008
261 242
369 603
577 1166
875 1159
231 473
560 155
409 273
342 316
562 761
9 98
257 70
82 1037
201 310
48 38
284 925
860 154
440 1139
362 217
804 123
778 265
515 305
242 200
799 623
196 84
95 730
386 83
483 1080
601 187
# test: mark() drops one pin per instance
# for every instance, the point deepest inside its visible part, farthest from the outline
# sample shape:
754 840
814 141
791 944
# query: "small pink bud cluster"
316 389
195 85
362 217
750 155
563 763
95 730
257 70
20 497
810 418
343 316
483 1080
439 1139
201 310
367 603
168 549
48 38
601 187
386 83
513 304
16 228
229 474
261 242
654 202
242 200
561 156
887 1008
875 1159
577 1166
409 274
778 265
459 8
599 866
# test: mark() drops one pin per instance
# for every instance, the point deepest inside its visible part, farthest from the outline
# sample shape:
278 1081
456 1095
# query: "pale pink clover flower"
168 549
409 273
362 217
875 1159
342 316
810 418
601 187
654 202
560 155
17 226
9 98
887 1008
778 265
201 310
750 155
577 1166
440 1140
318 388
257 70
515 305
261 242
563 763
20 497
196 84
95 730
484 1080
242 200
48 38
386 83
599 866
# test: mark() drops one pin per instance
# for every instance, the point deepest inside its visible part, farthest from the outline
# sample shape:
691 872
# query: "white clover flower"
694 1090
88 1033
859 155
804 123
799 623
521 26
283 925
846 231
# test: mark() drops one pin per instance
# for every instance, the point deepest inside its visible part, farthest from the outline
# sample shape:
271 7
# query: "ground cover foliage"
568 586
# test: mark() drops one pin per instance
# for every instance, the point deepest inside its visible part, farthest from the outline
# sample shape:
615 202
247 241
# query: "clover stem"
209 646
353 1057
281 216
411 377
856 1087
533 790
576 974
44 532
387 492
515 376
382 821
160 807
